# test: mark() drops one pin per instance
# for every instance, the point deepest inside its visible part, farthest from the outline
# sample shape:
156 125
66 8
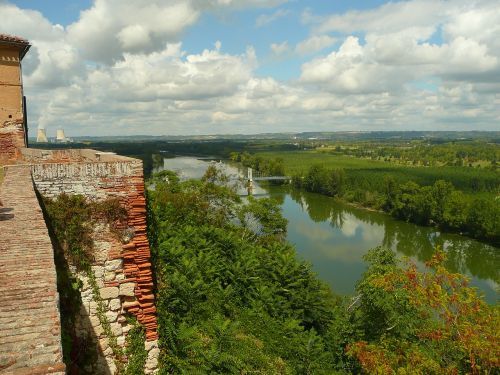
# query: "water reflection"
334 236
188 167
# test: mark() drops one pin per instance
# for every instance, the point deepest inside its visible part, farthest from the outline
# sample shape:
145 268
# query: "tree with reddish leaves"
428 322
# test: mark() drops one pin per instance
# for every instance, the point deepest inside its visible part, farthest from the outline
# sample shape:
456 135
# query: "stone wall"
122 265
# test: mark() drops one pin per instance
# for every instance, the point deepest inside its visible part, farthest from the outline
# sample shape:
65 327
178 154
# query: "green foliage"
233 298
135 351
70 217
462 153
369 174
455 211
441 204
317 179
379 312
412 203
267 166
72 220
321 180
438 204
263 217
483 219
425 322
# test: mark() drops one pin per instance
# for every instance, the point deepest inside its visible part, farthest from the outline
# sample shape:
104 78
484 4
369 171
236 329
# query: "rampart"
121 265
30 326
121 281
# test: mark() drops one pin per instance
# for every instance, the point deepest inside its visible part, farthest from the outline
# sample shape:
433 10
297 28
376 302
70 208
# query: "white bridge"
259 176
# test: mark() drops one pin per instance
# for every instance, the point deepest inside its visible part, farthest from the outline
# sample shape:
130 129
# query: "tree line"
476 153
267 166
439 204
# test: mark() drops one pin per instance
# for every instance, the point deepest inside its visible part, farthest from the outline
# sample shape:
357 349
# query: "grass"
369 174
299 161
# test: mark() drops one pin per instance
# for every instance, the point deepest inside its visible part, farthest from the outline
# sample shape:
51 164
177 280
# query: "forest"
233 298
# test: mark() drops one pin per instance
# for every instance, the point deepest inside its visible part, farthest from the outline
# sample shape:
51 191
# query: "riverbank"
384 204
335 235
455 199
435 227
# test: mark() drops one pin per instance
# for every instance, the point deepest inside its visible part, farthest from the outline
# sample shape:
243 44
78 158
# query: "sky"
188 67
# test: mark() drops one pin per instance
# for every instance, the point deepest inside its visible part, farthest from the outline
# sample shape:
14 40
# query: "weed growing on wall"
106 325
135 351
72 219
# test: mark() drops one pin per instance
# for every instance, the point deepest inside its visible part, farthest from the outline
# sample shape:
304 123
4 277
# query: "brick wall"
11 113
122 267
30 328
10 84
11 140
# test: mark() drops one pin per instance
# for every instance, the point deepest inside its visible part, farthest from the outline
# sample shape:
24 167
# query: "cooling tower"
60 137
41 136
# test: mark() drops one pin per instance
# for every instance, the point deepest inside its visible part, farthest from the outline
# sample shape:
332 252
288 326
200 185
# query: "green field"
297 162
369 174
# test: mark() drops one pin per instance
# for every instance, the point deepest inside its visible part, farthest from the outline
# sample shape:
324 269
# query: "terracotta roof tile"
22 44
13 39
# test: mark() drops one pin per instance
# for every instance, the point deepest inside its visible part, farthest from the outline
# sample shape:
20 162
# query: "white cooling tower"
41 136
60 137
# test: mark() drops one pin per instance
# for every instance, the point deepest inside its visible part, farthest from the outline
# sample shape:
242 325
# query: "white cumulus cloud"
265 19
314 44
121 68
280 48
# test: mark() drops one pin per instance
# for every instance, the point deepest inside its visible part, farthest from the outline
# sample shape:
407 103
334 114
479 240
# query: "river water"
334 236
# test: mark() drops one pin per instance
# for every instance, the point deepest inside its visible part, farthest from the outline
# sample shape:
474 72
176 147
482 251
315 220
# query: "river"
334 236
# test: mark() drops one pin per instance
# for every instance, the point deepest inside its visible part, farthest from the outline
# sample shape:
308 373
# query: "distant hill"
492 136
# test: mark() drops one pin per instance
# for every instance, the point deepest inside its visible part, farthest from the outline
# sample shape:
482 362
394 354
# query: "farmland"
370 174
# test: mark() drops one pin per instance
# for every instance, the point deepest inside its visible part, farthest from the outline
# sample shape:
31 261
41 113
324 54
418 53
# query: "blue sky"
62 12
235 30
250 66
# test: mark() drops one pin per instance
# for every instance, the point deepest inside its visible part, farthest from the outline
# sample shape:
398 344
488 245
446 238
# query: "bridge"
259 176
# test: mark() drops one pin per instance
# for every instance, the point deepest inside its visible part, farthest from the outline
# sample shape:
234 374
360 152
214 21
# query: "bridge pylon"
250 181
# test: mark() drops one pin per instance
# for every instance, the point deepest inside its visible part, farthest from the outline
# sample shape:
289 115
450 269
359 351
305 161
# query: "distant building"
42 136
13 126
60 136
